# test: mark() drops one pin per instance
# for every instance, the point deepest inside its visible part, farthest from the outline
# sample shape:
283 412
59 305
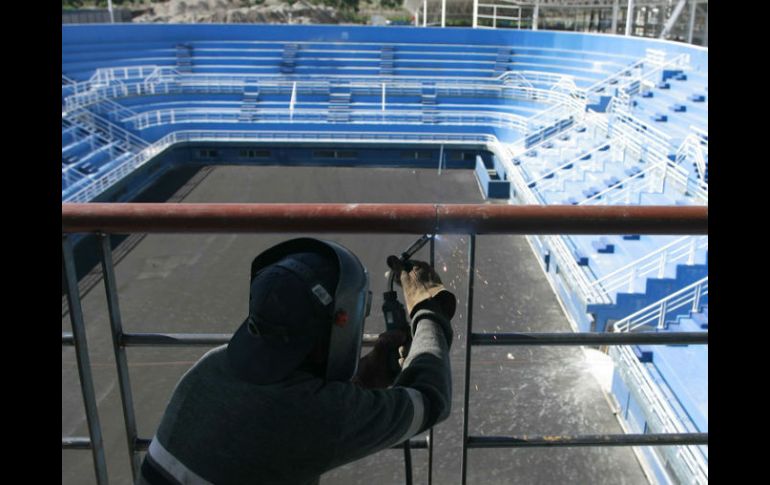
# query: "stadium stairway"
339 103
249 109
656 289
681 371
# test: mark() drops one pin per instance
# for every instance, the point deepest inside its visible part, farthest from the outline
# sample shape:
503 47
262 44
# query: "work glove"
374 370
421 285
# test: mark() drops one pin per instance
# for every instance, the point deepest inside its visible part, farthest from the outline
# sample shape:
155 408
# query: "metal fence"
471 219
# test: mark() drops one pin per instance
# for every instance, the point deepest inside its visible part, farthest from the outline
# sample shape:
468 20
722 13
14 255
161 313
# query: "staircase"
249 111
656 289
502 61
387 61
428 100
289 58
339 103
184 58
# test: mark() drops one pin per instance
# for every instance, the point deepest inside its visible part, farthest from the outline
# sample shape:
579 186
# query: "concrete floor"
199 283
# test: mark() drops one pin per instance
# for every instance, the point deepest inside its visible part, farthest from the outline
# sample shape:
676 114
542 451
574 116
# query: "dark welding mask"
302 290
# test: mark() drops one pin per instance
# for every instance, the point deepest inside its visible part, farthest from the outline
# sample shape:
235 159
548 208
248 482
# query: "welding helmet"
301 292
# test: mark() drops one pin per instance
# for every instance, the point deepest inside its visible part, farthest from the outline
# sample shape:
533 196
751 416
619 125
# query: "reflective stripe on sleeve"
174 467
418 415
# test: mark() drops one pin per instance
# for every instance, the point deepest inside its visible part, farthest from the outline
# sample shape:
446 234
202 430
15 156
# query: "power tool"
392 309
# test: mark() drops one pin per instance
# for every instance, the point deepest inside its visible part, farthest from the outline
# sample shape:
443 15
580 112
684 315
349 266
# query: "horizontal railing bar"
589 338
588 440
75 443
382 218
143 444
67 338
193 339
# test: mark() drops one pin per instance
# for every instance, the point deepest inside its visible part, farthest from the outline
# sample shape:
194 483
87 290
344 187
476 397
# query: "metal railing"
112 177
656 262
303 115
105 219
656 313
687 461
96 124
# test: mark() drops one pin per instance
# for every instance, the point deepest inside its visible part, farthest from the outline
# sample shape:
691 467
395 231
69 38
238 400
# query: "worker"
289 398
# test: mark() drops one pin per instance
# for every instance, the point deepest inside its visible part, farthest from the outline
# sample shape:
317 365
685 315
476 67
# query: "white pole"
443 13
615 11
535 14
475 13
424 13
383 96
417 17
693 4
293 99
440 158
494 16
112 15
630 17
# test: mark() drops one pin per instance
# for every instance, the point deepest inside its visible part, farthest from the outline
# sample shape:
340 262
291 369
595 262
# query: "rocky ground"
269 11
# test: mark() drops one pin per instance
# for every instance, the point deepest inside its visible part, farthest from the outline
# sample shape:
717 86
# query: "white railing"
369 116
97 124
655 263
108 179
110 74
628 73
647 180
548 184
691 149
656 313
559 246
688 461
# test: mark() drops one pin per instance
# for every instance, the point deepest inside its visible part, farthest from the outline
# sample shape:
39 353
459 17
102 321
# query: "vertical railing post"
116 325
662 318
693 248
696 298
468 331
83 361
430 432
663 262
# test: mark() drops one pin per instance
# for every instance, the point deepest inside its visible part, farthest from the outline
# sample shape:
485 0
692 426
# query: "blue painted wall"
146 34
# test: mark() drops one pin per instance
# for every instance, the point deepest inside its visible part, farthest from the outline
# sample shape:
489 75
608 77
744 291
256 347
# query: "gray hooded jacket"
219 429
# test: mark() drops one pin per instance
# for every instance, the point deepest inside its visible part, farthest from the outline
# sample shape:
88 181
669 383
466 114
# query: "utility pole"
615 11
109 8
535 14
475 13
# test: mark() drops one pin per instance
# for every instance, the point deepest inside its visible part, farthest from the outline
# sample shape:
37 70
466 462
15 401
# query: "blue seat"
647 94
697 98
663 85
660 117
679 108
603 246
632 237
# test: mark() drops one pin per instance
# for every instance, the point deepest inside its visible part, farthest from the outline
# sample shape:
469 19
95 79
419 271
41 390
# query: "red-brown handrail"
121 218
